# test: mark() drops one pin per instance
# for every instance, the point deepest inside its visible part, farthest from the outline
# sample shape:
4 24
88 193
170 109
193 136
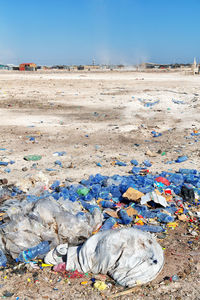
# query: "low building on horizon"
28 67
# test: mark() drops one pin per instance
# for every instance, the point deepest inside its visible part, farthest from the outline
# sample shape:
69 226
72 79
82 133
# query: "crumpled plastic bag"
82 224
29 223
128 255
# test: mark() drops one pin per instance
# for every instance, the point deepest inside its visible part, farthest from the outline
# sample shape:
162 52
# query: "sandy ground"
97 118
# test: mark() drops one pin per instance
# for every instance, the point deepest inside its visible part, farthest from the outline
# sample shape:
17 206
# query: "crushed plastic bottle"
107 204
61 153
156 134
188 171
83 191
149 228
120 163
124 217
55 184
3 259
89 207
108 224
33 252
181 159
32 157
134 162
147 163
3 163
58 163
164 218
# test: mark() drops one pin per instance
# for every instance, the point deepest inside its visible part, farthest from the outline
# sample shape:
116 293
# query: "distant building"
91 67
167 66
4 67
12 67
149 65
28 67
80 68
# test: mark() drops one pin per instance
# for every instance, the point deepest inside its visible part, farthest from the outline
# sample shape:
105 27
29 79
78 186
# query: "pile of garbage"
66 213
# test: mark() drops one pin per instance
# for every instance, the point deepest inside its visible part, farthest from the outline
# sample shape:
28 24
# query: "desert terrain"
100 117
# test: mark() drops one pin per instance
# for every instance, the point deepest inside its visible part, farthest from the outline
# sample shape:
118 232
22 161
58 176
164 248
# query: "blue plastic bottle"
3 259
190 178
55 184
107 204
164 218
104 194
59 163
188 171
95 189
136 170
108 224
149 228
147 163
176 179
120 163
181 159
89 207
134 162
31 253
114 190
156 134
124 217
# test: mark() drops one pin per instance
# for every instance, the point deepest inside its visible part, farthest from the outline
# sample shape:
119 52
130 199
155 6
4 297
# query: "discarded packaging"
132 194
153 196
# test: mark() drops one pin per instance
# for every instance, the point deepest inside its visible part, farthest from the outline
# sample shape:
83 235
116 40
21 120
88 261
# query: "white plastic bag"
128 255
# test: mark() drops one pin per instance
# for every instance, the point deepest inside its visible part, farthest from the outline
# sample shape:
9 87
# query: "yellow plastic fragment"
100 285
172 224
139 222
46 265
84 282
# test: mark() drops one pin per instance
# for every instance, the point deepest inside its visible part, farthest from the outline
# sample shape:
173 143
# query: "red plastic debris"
168 192
140 216
163 180
74 274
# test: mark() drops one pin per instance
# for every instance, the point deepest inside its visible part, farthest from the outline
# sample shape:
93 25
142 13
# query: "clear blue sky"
110 31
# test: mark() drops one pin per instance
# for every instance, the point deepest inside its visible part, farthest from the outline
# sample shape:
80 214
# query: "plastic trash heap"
71 213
